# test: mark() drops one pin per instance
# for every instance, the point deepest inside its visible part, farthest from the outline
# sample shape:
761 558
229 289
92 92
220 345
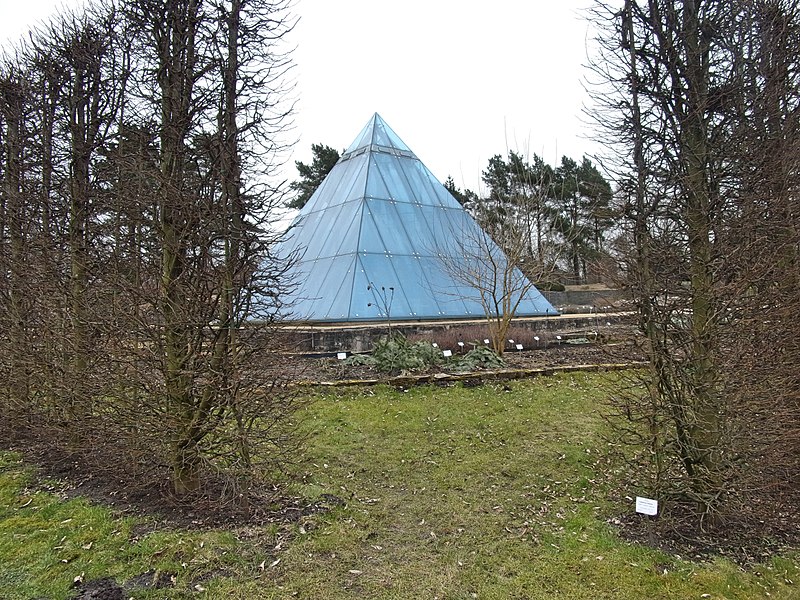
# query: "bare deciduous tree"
680 95
501 277
138 144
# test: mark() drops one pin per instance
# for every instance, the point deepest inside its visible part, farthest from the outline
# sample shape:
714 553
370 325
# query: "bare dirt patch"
747 536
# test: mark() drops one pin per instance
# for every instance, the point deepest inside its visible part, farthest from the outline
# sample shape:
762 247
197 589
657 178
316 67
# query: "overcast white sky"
458 81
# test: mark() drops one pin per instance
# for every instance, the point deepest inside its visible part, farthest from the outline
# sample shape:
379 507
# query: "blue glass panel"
423 184
448 295
330 284
384 136
322 195
384 231
340 181
327 194
354 189
413 219
289 241
325 283
363 137
379 270
305 231
363 305
443 197
315 244
390 169
344 239
369 239
456 224
440 226
424 299
333 189
339 305
306 297
376 186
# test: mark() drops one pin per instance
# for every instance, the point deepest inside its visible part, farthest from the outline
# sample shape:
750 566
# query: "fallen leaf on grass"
355 572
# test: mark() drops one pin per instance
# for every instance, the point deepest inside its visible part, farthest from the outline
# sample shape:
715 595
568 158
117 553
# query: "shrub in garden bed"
395 354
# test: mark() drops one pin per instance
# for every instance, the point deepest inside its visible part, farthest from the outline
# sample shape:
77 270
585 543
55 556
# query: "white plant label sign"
447 353
341 355
646 506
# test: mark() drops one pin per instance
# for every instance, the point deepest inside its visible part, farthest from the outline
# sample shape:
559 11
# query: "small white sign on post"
519 346
447 353
646 506
435 345
485 341
341 355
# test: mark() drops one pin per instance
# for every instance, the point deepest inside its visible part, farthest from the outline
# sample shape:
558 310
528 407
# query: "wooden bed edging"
501 375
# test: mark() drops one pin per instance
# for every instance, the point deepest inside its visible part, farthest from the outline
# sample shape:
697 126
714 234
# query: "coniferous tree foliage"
138 143
581 213
561 216
466 198
311 176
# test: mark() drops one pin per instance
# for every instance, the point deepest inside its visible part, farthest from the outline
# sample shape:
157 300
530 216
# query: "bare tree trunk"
234 221
644 282
705 431
50 97
175 40
12 105
78 251
675 286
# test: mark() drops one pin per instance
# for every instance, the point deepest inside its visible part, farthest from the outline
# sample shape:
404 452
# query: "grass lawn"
485 492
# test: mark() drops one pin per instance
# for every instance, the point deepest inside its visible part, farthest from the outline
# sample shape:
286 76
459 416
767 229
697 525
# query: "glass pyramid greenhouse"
376 238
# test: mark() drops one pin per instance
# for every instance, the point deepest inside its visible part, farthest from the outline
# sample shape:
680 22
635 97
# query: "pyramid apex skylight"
377 134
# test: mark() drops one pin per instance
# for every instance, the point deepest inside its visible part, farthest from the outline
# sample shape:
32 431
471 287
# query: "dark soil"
751 535
109 589
72 475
